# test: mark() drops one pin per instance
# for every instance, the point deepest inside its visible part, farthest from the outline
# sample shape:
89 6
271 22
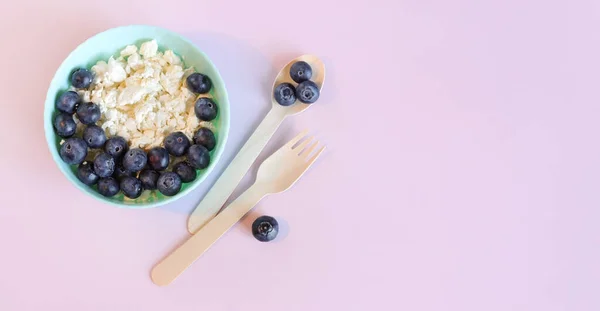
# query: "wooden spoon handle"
181 258
233 174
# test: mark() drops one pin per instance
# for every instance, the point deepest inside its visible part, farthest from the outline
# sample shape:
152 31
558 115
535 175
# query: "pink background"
462 171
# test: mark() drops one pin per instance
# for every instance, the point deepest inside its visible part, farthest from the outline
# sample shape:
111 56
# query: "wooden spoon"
233 174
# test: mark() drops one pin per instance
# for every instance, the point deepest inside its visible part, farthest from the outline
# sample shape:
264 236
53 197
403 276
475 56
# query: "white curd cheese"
143 97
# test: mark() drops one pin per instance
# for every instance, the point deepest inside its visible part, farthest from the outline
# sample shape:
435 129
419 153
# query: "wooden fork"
276 174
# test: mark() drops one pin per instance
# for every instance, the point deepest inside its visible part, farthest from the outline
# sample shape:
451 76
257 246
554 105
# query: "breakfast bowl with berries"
136 116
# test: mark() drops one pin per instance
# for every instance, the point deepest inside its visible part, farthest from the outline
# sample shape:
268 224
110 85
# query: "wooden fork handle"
181 258
216 197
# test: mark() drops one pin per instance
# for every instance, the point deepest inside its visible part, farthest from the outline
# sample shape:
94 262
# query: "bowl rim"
223 130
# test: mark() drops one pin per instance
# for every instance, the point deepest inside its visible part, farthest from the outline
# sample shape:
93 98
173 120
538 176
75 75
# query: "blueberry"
131 187
185 171
300 71
149 179
86 174
135 160
198 83
265 228
116 146
121 172
73 151
205 109
206 138
64 125
158 158
307 92
67 102
284 94
104 164
94 136
169 183
108 186
198 156
88 113
177 143
82 78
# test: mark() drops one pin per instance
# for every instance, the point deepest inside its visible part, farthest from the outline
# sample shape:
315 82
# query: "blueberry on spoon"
300 71
284 94
307 92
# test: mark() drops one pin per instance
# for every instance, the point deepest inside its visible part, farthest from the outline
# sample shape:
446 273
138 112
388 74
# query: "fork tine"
296 139
314 158
307 151
303 144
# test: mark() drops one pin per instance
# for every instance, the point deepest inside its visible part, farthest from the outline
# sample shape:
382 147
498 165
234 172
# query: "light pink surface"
462 171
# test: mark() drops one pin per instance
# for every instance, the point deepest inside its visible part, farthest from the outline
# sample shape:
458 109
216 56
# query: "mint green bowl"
111 42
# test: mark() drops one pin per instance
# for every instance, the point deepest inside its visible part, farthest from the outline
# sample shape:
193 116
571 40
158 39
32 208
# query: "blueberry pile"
118 168
306 91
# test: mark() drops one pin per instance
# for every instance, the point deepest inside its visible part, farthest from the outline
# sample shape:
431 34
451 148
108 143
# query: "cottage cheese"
143 97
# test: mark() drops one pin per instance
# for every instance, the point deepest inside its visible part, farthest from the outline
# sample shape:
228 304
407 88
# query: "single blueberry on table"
206 138
94 136
86 174
135 160
82 78
121 173
116 146
64 125
265 228
88 113
131 187
198 156
300 71
158 158
169 183
67 102
307 92
108 186
205 109
149 179
73 151
185 171
198 83
177 143
284 94
104 164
